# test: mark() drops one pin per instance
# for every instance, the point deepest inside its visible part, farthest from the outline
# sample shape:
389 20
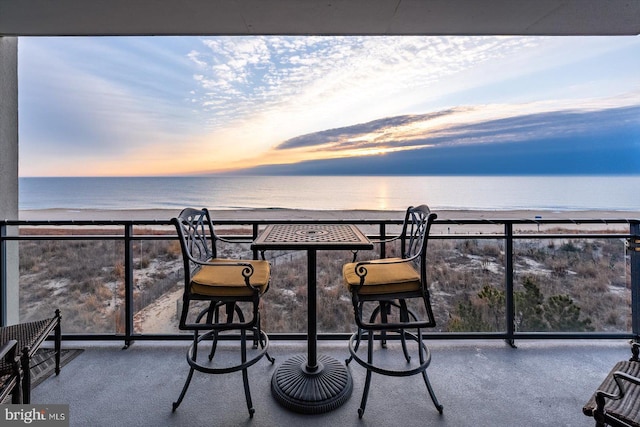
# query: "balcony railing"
511 239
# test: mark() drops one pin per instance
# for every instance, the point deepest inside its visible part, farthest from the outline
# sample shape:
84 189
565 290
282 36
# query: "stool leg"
356 346
245 375
363 402
367 383
184 390
262 344
194 356
214 336
247 393
385 309
404 317
437 404
262 340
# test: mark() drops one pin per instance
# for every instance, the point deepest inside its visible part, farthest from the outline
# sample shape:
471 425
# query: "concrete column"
9 173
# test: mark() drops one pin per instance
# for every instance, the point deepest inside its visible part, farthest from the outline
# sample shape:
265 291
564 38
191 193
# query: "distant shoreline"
283 213
493 224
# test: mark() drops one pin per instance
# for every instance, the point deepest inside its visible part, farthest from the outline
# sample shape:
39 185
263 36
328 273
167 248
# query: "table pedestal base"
299 390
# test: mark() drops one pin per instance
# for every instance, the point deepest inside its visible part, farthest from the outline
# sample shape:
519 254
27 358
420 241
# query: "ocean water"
334 192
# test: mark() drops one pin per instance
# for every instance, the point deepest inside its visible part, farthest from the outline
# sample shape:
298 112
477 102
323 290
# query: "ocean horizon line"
285 209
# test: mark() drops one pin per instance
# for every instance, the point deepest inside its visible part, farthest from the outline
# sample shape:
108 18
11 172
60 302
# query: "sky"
130 106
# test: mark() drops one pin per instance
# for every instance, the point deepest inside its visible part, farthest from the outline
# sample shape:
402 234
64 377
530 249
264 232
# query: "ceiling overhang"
319 17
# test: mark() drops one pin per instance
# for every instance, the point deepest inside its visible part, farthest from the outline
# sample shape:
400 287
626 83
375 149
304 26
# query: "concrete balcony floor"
480 383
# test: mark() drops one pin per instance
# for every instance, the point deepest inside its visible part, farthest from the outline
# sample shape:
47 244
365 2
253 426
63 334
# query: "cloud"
343 138
86 106
602 141
462 126
243 77
115 103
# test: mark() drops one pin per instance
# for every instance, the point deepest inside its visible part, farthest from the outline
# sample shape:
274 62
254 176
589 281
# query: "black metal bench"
29 337
617 401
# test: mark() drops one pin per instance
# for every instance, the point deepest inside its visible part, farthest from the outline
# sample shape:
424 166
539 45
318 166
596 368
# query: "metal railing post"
634 265
508 266
128 285
254 236
383 236
3 275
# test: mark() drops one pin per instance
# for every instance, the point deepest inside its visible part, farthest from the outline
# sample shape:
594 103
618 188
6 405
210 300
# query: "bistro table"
311 383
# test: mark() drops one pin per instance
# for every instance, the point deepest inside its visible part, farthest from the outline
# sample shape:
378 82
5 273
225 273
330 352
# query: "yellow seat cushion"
212 280
383 278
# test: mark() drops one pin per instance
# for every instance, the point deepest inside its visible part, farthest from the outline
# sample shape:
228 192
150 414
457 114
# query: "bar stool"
384 286
212 284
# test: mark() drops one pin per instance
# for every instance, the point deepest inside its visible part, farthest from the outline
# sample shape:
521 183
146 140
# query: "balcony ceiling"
322 17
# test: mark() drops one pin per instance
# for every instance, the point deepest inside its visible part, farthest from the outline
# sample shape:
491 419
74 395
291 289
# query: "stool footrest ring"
224 370
394 373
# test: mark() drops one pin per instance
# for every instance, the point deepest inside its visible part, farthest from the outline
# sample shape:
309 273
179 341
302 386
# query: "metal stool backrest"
415 236
198 244
197 238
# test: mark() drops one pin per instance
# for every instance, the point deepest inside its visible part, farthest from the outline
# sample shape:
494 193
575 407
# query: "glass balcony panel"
561 284
467 284
571 285
83 278
158 283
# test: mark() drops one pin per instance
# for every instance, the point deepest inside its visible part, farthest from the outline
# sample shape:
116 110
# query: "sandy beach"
603 217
